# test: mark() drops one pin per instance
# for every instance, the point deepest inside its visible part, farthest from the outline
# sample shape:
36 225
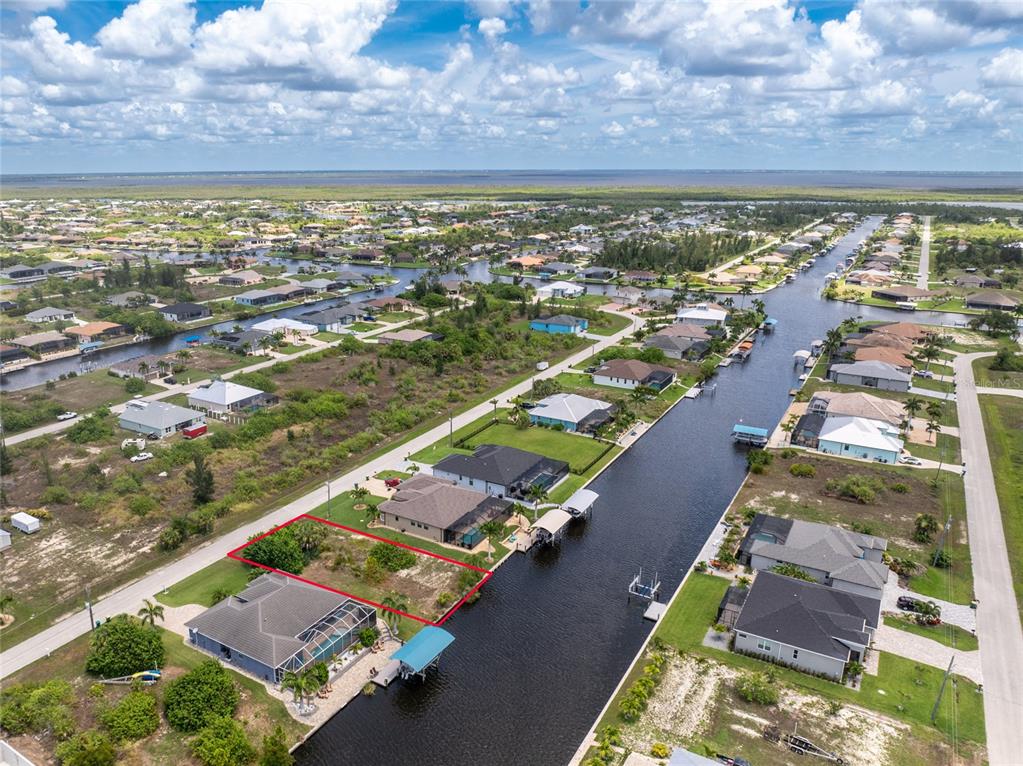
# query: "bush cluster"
758 687
803 470
391 557
204 693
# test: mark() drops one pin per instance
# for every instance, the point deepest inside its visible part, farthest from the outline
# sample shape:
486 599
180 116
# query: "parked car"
923 373
910 460
67 415
170 379
141 457
907 603
392 482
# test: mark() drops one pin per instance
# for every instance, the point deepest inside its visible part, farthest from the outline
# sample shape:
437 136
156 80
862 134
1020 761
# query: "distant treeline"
690 252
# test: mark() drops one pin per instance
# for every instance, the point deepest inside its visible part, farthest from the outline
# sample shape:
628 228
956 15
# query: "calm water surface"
536 658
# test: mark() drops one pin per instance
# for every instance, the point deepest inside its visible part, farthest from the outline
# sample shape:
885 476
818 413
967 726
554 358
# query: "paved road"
129 598
925 255
998 621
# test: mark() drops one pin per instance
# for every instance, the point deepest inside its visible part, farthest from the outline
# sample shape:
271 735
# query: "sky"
178 85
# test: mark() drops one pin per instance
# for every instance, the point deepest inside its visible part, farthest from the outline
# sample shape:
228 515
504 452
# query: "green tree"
278 550
913 405
124 645
205 692
90 748
275 750
133 718
150 612
399 603
494 530
791 570
200 479
924 527
222 742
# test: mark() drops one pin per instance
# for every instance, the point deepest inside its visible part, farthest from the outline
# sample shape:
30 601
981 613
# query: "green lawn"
390 474
985 376
947 634
364 326
609 324
441 448
396 316
292 348
328 337
578 451
199 588
932 384
902 689
945 448
1003 425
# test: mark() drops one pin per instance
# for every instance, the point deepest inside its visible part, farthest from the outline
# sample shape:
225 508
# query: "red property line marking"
487 573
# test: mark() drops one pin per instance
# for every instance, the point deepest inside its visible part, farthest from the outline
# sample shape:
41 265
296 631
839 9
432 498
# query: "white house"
571 411
286 326
559 290
860 437
26 522
701 314
225 396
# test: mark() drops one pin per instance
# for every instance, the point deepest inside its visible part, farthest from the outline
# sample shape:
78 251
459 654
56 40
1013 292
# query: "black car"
907 603
170 379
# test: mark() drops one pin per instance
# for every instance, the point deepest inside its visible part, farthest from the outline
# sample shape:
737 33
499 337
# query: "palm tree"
143 368
929 353
150 612
359 494
294 683
395 602
6 602
494 530
832 342
728 302
935 410
744 291
933 428
371 514
912 406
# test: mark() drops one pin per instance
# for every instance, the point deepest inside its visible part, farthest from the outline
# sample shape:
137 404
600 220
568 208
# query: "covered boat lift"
751 435
580 503
420 653
769 324
550 527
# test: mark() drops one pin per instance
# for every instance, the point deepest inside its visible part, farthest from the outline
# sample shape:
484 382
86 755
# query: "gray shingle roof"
440 503
502 465
807 615
265 620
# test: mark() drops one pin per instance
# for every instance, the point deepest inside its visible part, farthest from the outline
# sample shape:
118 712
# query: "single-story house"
857 404
12 354
861 438
184 312
870 375
19 272
50 314
976 281
96 331
335 319
556 267
158 418
701 314
143 367
902 293
601 273
286 327
832 556
225 396
562 323
407 335
632 373
804 625
279 624
242 278
991 300
243 342
684 330
524 262
289 292
391 303
572 412
559 289
438 509
49 342
322 285
501 471
886 354
646 277
258 298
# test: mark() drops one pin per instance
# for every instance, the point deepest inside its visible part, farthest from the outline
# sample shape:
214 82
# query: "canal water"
536 658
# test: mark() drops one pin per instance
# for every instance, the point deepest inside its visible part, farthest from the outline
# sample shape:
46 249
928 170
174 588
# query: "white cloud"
150 29
492 28
1005 69
614 129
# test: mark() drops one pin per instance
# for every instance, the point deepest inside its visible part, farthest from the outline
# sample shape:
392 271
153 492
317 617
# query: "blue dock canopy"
423 648
770 321
193 339
739 428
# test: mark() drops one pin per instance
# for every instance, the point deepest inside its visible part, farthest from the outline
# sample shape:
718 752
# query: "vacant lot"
695 705
901 494
259 712
985 376
1003 424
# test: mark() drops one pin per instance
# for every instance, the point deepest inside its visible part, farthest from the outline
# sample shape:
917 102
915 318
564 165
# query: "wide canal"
536 658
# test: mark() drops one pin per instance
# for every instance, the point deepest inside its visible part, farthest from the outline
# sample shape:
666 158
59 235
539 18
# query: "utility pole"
941 691
451 431
88 605
327 482
941 541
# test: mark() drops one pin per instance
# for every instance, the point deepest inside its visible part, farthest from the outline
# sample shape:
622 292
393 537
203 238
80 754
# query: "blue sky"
165 85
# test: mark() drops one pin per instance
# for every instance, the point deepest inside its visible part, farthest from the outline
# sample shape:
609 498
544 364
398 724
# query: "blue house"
279 624
562 323
860 438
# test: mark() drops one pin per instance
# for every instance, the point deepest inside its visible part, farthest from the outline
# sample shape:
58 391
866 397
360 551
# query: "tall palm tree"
933 428
293 682
398 602
744 291
929 353
912 406
935 410
150 612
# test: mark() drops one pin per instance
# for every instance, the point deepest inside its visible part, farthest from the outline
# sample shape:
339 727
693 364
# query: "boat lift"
644 588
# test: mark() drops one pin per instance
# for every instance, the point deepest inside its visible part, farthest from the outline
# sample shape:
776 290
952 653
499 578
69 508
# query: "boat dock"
751 435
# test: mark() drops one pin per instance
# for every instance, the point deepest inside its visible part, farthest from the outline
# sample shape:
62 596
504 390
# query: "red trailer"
194 432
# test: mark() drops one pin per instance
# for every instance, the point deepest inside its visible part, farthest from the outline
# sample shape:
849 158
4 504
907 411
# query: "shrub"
392 558
803 470
899 488
134 717
862 489
368 636
93 428
222 742
35 708
134 386
90 748
55 495
171 539
275 748
203 693
791 570
757 687
122 646
660 750
789 453
757 460
942 560
280 550
140 505
444 599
